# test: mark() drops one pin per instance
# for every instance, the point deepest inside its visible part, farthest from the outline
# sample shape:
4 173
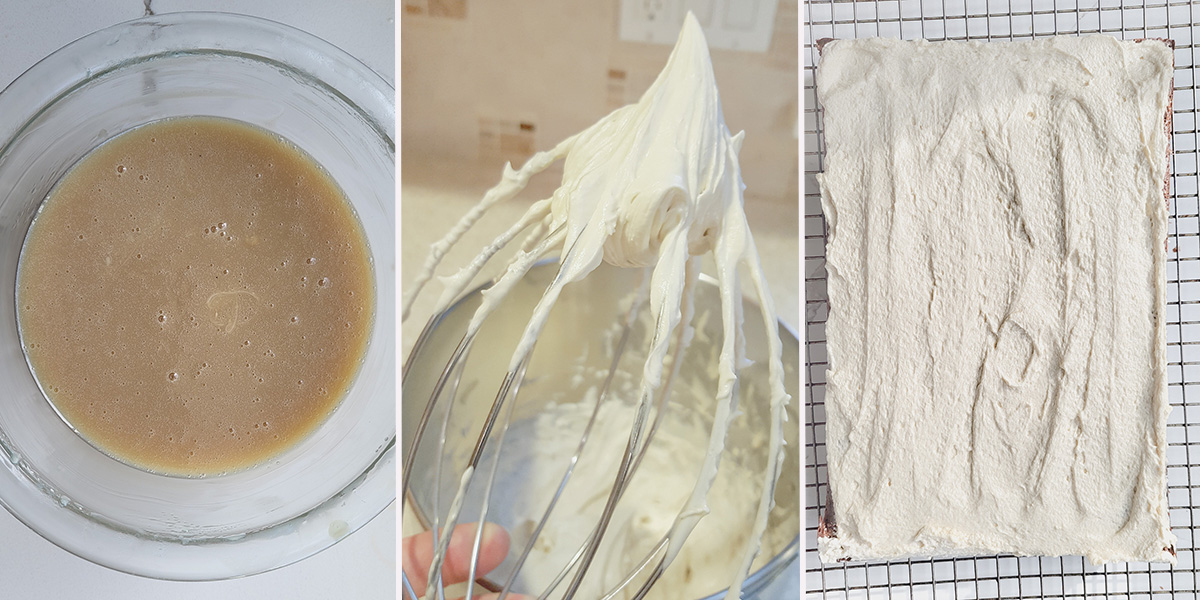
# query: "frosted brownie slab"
996 281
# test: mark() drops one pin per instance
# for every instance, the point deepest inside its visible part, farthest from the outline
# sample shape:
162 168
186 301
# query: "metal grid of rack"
1009 576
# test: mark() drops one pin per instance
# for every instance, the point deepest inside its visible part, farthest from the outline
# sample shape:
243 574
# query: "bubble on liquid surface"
172 376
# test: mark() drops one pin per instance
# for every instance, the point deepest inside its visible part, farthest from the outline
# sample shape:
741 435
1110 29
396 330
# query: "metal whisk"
652 198
619 295
496 424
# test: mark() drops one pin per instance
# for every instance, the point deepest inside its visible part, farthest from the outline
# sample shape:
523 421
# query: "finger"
418 550
492 550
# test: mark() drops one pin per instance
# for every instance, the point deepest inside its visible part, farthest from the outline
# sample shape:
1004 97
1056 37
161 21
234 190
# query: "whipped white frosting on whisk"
654 185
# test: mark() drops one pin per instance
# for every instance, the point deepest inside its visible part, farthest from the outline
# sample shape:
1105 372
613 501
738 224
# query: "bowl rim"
51 79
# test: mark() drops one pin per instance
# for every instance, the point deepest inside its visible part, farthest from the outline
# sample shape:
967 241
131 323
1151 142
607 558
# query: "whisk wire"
456 506
457 283
491 479
408 588
512 379
684 336
455 511
618 352
440 449
411 454
662 543
778 410
512 182
660 409
499 284
672 261
439 555
589 551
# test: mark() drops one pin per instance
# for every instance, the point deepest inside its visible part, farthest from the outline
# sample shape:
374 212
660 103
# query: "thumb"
417 554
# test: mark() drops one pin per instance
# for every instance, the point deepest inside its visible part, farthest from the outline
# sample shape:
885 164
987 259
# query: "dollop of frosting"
664 162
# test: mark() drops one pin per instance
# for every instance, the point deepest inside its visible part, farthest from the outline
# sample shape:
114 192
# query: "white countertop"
361 567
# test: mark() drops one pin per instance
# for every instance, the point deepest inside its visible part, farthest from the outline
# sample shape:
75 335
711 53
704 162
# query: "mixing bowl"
342 115
571 356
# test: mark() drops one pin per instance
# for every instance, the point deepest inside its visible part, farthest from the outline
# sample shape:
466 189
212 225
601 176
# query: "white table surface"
361 567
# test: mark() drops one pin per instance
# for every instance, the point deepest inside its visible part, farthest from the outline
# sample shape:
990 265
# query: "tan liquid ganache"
195 296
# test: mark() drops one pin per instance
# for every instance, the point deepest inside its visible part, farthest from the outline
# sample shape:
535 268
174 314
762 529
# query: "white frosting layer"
653 185
996 281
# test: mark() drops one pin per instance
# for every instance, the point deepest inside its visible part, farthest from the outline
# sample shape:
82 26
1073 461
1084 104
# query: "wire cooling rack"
1010 576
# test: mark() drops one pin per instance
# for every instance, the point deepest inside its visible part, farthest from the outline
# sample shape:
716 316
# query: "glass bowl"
573 353
331 483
